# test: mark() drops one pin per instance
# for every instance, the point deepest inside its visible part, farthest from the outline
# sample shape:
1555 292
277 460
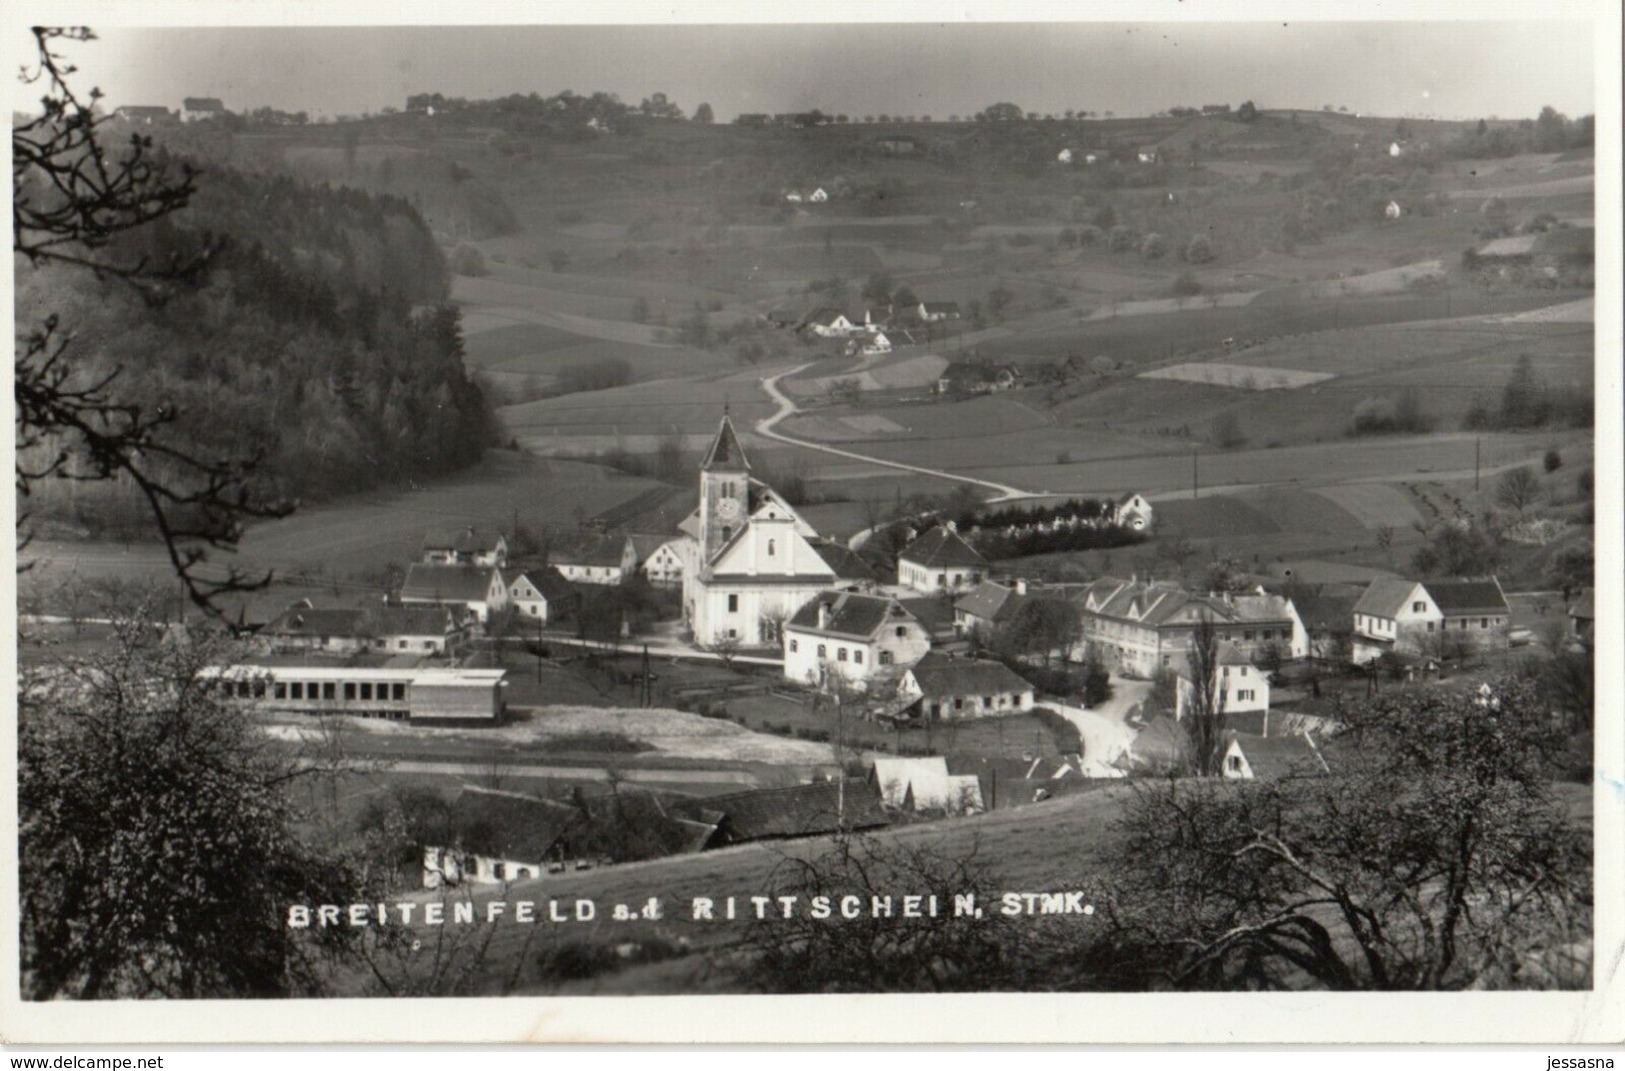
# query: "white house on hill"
1238 685
951 688
940 560
479 588
858 638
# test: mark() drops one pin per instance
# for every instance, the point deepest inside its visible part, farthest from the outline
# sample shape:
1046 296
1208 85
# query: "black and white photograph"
946 519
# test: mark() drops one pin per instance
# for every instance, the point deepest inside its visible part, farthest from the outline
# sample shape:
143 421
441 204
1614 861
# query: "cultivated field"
1237 376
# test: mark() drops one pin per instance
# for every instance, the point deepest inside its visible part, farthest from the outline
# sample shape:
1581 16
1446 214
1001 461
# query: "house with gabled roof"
1420 618
925 785
465 546
827 322
940 560
595 558
498 836
1134 511
479 588
1327 613
540 596
1239 687
933 312
665 565
987 606
1473 612
948 688
350 630
1141 628
1271 758
844 635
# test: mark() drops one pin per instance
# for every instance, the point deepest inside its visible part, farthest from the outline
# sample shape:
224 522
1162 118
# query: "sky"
1449 69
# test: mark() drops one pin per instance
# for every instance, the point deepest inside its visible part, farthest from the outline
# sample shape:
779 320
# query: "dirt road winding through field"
788 408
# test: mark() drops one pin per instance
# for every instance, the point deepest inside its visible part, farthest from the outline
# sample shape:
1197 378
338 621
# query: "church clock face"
727 509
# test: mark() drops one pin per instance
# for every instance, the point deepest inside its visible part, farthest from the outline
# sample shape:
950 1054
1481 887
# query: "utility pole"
1478 455
1196 489
646 695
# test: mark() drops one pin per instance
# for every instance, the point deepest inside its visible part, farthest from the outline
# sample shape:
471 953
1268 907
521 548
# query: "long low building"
420 694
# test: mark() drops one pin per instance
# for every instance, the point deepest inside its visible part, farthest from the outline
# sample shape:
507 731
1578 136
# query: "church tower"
724 491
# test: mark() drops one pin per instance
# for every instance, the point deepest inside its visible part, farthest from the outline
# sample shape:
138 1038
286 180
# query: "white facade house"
1064 156
1239 687
876 343
857 638
1133 511
818 196
670 561
925 785
950 689
539 596
940 560
1249 758
466 546
595 559
1392 615
481 589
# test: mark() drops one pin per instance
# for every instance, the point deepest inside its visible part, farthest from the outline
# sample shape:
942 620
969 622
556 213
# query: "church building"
757 561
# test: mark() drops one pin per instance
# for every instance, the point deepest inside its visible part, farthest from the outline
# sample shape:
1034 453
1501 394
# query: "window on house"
1418 607
397 691
902 630
987 702
349 689
1269 634
1244 695
330 690
733 634
1483 622
733 604
1430 626
794 647
885 658
366 690
400 645
857 657
1235 763
1225 672
1247 635
840 654
959 703
823 650
942 581
296 690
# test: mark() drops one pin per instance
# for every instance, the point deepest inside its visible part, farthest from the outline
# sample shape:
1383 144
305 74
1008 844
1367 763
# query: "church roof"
725 452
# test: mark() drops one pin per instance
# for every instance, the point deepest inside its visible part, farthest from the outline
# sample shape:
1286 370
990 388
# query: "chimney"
823 614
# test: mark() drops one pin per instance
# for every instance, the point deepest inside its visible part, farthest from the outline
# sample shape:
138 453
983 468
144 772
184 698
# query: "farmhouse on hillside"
540 595
1428 618
498 837
665 565
940 560
466 546
595 558
861 639
1134 512
831 323
949 689
479 588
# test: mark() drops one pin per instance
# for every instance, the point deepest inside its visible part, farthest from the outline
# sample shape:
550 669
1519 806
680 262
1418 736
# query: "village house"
431 630
1008 781
1239 687
541 596
1424 618
1272 758
478 588
196 108
1064 156
499 837
1391 211
818 196
813 809
916 785
1140 628
862 639
1133 511
978 377
940 560
987 606
947 688
665 565
831 323
595 558
755 560
932 312
1327 613
1148 156
466 546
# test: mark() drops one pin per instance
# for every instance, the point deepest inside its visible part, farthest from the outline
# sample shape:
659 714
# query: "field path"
788 408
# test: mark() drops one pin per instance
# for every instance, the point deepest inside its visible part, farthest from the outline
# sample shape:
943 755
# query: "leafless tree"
1517 490
74 196
1205 717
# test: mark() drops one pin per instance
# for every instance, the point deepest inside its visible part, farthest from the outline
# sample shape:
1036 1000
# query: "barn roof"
939 675
589 549
796 810
846 562
509 825
470 540
1325 610
990 601
1458 597
941 547
447 583
1278 757
850 614
1385 598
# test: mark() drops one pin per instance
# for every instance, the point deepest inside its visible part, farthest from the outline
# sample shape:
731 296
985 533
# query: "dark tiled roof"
203 104
725 452
1323 610
795 811
936 614
304 621
939 675
463 541
589 549
850 614
509 825
1468 596
644 545
843 559
990 601
1276 757
447 583
942 546
413 621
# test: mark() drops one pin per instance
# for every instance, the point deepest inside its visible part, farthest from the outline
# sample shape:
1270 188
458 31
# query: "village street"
1107 736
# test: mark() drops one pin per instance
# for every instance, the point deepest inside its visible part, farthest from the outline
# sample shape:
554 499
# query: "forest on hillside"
320 338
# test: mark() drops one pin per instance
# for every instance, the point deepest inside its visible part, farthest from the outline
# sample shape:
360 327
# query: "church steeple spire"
725 455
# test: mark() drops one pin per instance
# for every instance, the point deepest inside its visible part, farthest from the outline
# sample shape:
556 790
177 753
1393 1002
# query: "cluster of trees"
1402 413
566 116
319 337
1003 544
1527 401
1550 131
